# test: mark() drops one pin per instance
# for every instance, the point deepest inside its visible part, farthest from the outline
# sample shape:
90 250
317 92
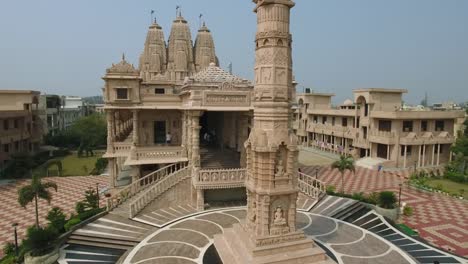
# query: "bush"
100 166
330 190
372 198
71 223
456 177
57 219
90 213
8 248
358 196
11 259
387 200
40 241
408 211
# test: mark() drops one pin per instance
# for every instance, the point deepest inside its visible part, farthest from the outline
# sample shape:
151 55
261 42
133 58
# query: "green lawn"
74 166
450 186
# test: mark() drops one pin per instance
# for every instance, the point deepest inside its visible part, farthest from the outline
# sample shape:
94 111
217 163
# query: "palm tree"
35 190
343 164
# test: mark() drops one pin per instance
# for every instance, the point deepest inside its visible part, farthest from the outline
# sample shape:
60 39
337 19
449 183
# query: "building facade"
20 126
50 112
177 107
376 126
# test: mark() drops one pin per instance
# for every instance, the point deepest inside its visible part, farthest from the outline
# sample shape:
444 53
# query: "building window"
440 125
385 125
407 126
344 121
315 119
6 148
159 91
333 121
438 150
408 150
26 107
122 93
324 119
424 125
15 123
6 125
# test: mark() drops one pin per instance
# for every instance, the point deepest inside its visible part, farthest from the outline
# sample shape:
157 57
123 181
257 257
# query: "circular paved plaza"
189 240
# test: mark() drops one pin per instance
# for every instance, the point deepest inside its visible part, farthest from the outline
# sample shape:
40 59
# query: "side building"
376 126
50 112
20 126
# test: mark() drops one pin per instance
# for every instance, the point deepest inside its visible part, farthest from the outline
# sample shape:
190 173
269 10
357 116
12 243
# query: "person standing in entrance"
168 138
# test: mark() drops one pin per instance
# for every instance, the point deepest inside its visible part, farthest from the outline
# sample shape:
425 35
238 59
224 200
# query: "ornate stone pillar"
272 147
110 131
200 200
136 128
195 139
112 173
135 173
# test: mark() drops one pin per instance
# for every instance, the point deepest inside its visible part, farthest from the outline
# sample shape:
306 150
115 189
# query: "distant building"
376 125
50 112
20 127
73 109
446 106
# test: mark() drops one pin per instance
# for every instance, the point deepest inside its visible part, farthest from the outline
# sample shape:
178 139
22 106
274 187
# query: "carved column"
136 128
200 200
110 131
112 173
195 139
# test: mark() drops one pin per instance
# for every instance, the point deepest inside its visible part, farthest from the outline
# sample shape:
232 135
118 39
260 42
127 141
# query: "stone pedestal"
235 246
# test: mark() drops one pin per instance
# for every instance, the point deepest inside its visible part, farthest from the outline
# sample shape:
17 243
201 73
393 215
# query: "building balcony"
382 137
423 114
361 143
148 155
220 179
328 129
426 138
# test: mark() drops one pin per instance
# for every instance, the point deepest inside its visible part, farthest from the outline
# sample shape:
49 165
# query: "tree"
343 164
34 191
92 132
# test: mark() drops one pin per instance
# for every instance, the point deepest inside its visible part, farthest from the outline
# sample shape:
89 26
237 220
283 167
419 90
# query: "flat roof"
316 94
6 91
381 90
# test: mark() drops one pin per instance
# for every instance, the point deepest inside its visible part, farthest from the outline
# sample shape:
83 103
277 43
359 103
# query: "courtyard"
70 191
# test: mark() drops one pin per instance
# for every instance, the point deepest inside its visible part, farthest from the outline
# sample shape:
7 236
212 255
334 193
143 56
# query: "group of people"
209 137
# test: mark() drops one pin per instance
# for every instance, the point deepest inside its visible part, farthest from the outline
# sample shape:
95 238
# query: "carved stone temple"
269 233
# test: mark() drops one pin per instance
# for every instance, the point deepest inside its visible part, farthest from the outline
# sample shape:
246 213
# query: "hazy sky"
64 47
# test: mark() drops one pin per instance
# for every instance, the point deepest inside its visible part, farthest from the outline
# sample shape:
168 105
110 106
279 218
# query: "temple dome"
348 102
204 49
123 67
214 74
153 59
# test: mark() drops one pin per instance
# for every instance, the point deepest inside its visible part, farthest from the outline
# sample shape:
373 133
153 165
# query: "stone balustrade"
160 152
220 179
141 184
157 189
426 138
310 186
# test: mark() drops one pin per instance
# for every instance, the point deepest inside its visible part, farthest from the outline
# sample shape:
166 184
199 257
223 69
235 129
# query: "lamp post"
16 239
97 193
399 196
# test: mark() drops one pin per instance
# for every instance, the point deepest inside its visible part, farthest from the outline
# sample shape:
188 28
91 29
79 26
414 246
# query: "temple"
178 107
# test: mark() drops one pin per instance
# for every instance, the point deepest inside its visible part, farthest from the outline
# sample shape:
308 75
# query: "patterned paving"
188 240
70 190
441 220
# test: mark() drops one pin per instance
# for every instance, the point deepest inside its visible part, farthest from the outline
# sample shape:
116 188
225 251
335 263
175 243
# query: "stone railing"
157 189
134 188
380 133
220 179
149 153
310 186
122 147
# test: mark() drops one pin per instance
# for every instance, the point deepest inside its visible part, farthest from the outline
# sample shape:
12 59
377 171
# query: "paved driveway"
441 220
70 190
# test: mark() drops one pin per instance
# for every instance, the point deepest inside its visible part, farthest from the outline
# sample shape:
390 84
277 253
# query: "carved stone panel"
227 99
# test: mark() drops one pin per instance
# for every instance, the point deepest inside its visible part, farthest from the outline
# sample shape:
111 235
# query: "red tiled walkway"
441 220
70 190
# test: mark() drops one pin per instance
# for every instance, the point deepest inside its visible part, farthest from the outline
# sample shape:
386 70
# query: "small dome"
347 102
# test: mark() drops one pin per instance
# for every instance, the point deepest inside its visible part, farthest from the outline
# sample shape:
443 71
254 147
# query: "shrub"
100 166
57 219
11 259
456 177
408 211
331 189
90 213
8 248
80 207
358 196
71 223
387 200
40 241
372 198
